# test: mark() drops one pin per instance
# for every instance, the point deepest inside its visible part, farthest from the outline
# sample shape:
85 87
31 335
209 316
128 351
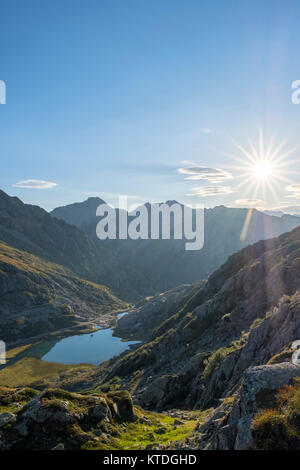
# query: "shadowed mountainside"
32 229
166 263
37 297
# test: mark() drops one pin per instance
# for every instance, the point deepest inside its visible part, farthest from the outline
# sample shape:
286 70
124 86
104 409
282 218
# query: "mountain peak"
4 197
79 213
94 199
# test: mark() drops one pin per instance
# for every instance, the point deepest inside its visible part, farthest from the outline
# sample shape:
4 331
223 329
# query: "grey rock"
101 410
59 446
177 422
244 440
162 430
22 429
7 418
263 379
83 437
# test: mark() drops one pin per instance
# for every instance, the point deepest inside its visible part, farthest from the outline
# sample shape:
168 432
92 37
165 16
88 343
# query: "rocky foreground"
232 424
56 419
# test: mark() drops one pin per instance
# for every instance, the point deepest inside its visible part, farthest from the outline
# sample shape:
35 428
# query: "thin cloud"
209 191
294 189
213 175
292 210
35 184
248 202
287 209
207 130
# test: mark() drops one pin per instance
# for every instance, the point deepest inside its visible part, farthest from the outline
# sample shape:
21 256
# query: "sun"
263 170
262 167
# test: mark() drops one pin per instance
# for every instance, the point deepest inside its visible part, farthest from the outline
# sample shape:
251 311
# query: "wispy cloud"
248 202
287 209
35 184
207 130
294 189
214 175
209 191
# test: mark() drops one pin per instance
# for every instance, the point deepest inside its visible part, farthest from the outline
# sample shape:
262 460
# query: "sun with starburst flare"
262 167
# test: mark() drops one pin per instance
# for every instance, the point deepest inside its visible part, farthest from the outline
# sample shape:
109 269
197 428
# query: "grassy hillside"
30 370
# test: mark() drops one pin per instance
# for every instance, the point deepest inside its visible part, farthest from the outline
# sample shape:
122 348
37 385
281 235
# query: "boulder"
7 418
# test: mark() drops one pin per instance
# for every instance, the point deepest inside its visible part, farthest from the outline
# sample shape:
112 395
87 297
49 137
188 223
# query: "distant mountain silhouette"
80 214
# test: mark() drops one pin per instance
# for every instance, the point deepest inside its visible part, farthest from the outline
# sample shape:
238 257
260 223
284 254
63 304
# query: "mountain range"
32 229
71 258
165 263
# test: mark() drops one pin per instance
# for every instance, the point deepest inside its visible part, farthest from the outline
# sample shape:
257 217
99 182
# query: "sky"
154 99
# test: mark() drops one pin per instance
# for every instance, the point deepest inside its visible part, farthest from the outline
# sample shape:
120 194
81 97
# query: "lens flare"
262 167
263 170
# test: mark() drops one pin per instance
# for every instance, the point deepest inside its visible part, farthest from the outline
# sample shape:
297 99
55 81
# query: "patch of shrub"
58 393
278 428
271 431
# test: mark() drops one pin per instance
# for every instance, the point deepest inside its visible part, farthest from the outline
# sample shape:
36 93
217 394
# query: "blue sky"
114 97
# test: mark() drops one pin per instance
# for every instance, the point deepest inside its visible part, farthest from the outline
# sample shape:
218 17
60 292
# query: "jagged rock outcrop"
229 427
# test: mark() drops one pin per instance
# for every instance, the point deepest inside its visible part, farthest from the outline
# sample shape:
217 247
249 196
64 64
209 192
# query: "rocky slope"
247 314
248 419
166 263
37 297
144 319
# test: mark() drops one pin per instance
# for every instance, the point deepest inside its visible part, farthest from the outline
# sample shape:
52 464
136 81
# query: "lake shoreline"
36 344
